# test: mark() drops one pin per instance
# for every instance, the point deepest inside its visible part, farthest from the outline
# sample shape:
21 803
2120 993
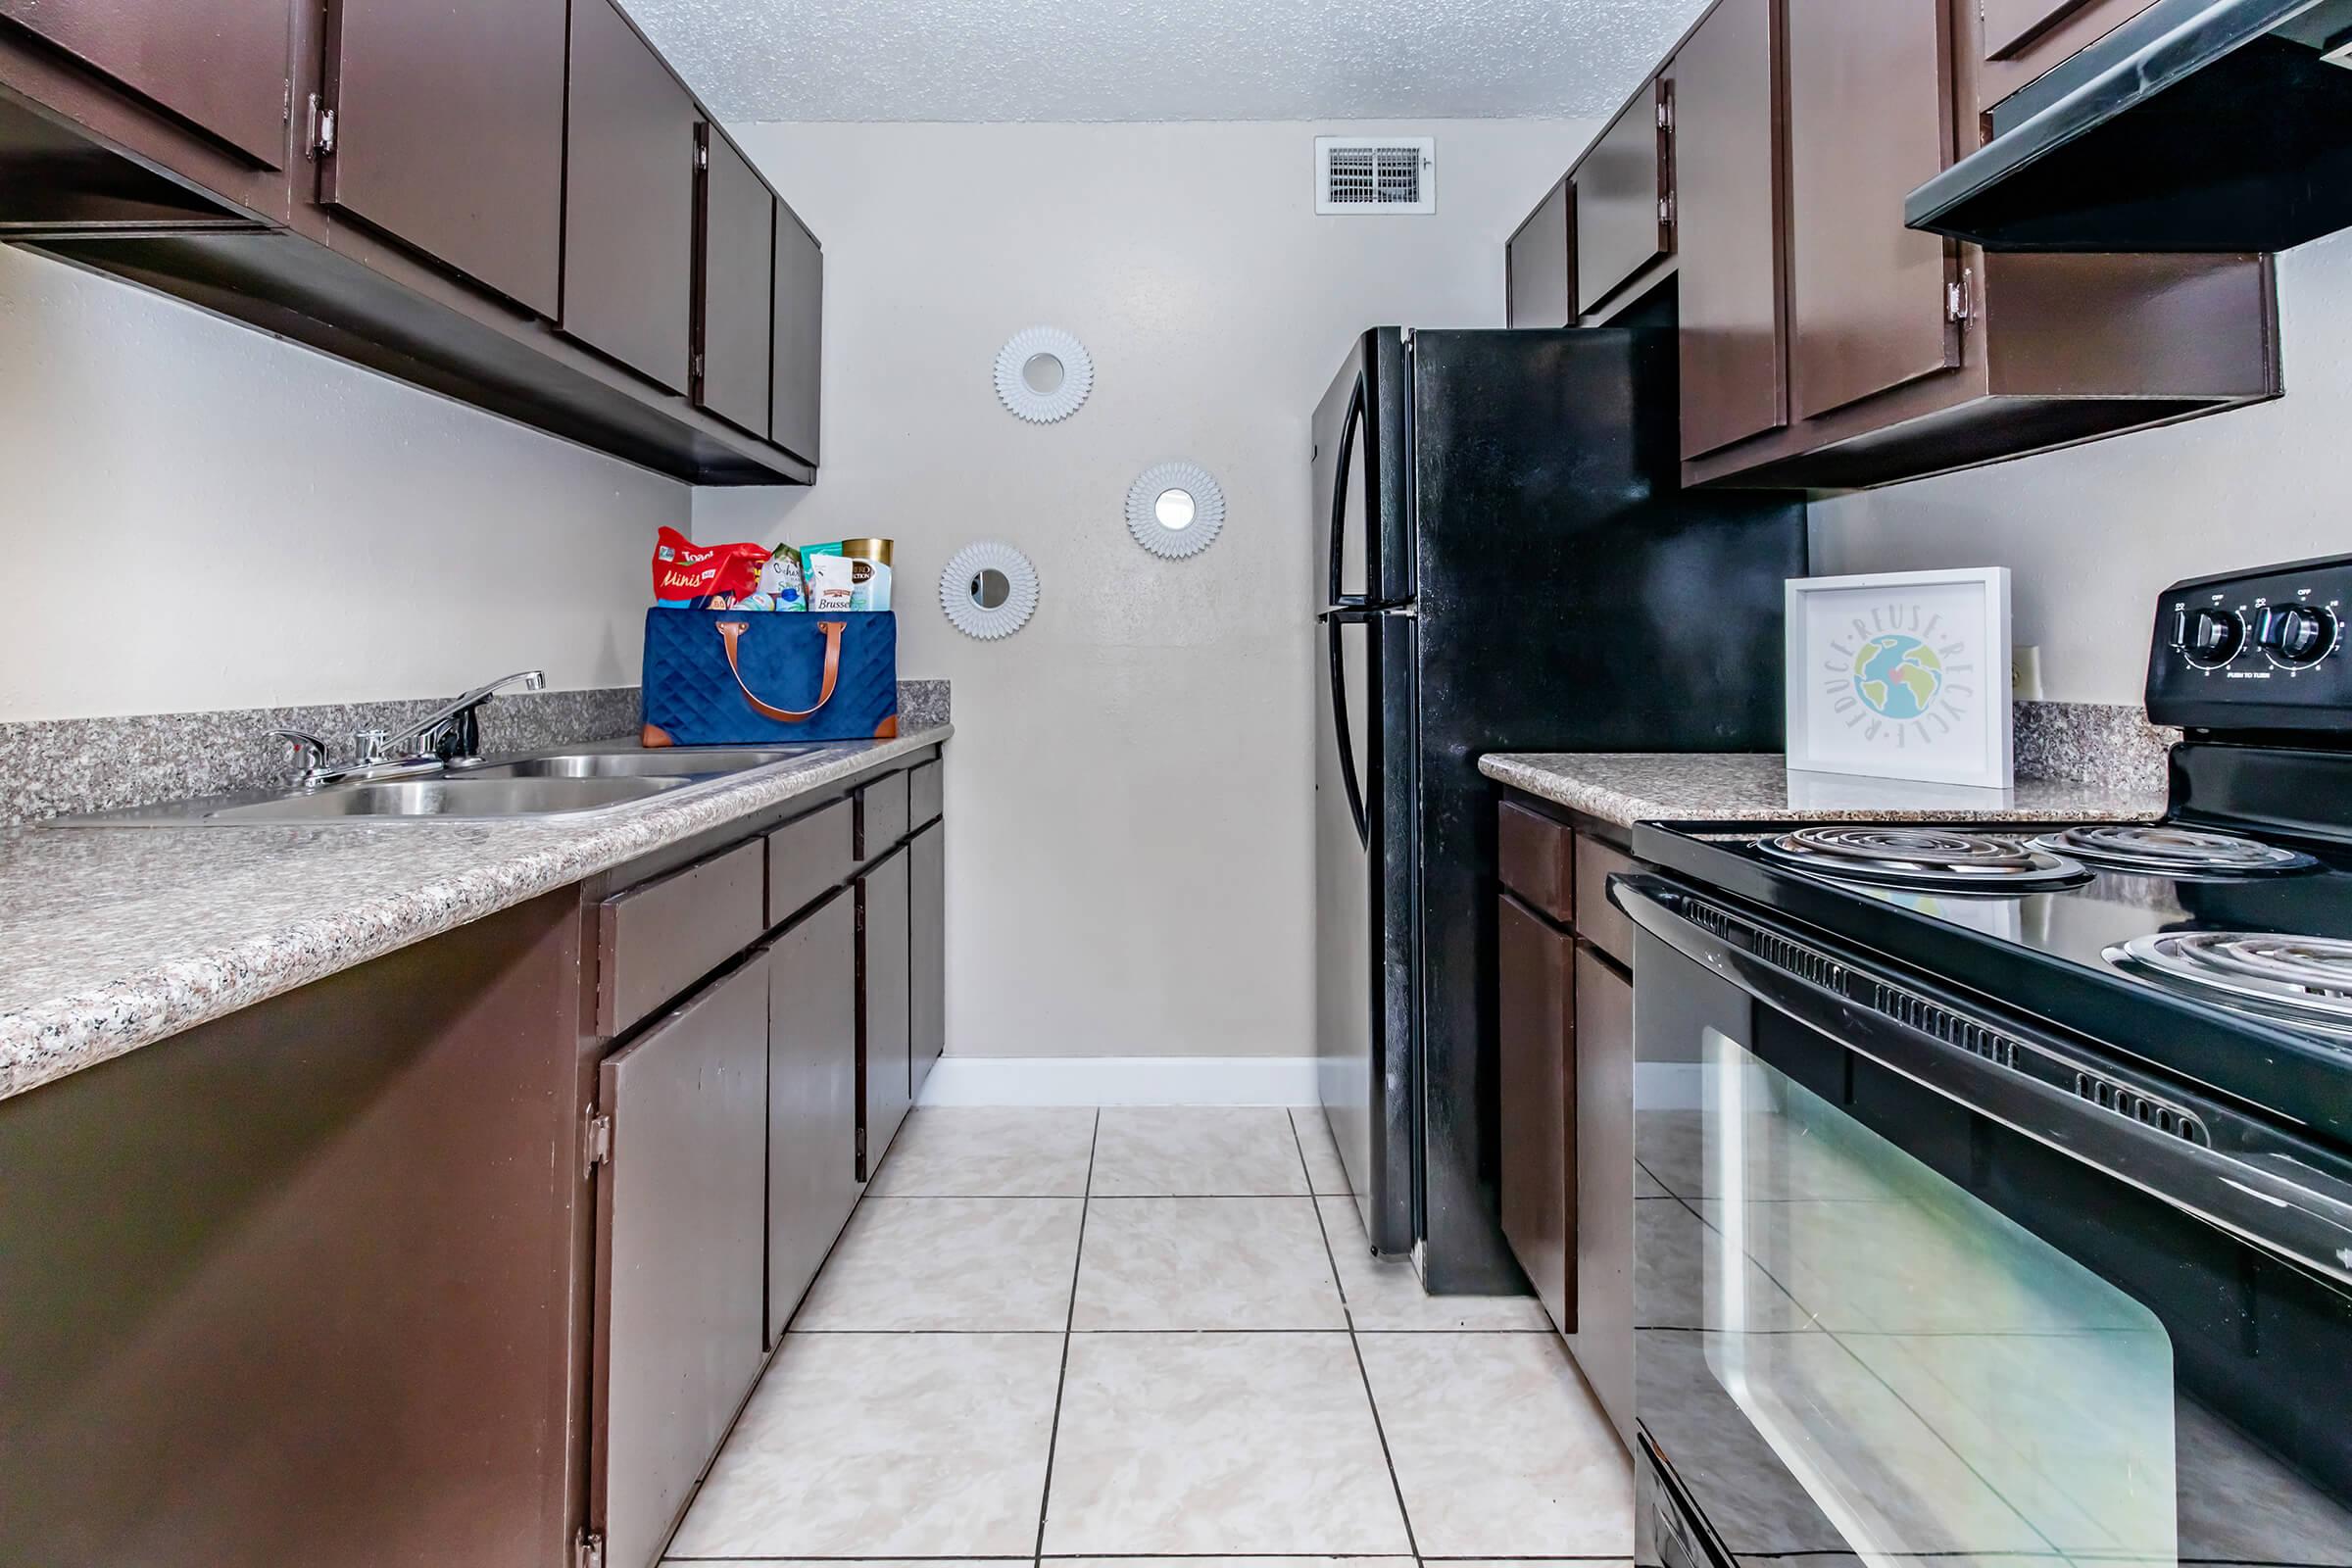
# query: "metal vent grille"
1382 174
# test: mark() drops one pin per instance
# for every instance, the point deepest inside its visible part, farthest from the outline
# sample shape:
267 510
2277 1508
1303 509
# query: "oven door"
1916 1282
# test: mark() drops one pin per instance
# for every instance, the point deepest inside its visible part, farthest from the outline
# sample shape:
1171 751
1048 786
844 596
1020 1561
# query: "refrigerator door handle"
1349 428
1341 733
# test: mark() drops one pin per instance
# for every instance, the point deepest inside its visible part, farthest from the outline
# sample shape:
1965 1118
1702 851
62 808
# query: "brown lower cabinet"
680 1205
927 981
812 1099
1602 1340
482 1245
1565 1075
885 1056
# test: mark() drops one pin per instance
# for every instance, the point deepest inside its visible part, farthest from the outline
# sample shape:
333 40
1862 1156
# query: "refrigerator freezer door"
1361 497
1363 959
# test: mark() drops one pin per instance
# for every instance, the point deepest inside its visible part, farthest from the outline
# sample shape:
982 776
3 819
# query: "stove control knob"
2211 638
2295 635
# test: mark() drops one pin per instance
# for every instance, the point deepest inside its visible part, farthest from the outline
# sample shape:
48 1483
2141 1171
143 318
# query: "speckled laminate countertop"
1628 787
114 938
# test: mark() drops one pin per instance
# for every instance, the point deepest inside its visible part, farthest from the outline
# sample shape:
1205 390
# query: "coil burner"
1928 858
2303 981
2165 848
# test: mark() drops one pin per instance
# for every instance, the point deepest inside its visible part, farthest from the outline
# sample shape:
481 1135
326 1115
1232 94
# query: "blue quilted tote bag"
732 677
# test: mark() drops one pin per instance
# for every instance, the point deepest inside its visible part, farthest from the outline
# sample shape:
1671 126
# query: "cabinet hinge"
321 137
597 1147
286 115
1666 209
588 1551
1665 113
1956 296
702 156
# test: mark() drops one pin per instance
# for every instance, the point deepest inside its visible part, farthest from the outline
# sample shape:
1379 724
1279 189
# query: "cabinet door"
1727 179
448 134
628 200
733 331
679 1208
220 64
2022 39
885 1071
1538 1137
1621 200
927 950
1603 1340
1536 264
1870 117
799 345
812 1099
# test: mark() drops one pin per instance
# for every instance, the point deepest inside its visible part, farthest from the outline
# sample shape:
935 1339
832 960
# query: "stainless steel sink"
666 763
574 782
461 798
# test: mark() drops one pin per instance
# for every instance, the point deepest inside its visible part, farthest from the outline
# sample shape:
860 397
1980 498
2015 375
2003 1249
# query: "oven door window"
1940 1381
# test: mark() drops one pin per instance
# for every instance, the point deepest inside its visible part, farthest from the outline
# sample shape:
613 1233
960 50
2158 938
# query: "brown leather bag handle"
730 631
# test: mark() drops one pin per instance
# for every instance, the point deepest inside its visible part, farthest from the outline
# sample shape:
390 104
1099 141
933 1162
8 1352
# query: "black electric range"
1993 1182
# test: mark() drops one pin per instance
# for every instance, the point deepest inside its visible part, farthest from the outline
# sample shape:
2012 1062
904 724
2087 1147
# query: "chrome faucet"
450 736
453 732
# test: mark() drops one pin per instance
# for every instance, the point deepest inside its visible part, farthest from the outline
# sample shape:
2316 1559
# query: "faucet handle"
368 745
309 748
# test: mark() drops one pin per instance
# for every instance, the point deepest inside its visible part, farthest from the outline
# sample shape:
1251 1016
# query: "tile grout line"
1355 1347
1069 1323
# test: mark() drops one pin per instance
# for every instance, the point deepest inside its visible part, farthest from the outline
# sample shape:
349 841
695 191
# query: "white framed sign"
1902 674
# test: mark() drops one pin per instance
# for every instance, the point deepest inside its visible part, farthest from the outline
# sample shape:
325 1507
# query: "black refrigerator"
1504 561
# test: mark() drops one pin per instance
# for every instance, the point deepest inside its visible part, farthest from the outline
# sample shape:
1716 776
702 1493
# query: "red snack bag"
685 573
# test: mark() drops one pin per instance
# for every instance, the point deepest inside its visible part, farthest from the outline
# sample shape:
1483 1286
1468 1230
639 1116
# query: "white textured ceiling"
1161 60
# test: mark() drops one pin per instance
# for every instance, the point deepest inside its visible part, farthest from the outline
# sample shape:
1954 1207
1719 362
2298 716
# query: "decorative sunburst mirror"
1174 509
1044 374
988 590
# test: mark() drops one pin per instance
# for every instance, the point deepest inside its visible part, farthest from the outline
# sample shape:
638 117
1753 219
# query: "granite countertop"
117 937
1628 787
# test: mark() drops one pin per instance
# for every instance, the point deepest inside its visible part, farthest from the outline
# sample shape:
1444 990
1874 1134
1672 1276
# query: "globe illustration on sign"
1897 676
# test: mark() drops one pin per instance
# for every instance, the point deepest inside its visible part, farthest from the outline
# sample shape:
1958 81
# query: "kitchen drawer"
1597 921
807 857
927 795
881 816
1536 859
660 937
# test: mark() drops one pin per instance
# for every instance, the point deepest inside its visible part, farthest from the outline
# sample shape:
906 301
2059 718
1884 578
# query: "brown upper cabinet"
735 332
498 201
796 360
448 135
629 208
2022 39
218 64
1728 139
1870 117
1625 198
1541 285
1823 345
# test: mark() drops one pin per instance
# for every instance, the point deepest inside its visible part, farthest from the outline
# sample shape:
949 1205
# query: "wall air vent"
1376 174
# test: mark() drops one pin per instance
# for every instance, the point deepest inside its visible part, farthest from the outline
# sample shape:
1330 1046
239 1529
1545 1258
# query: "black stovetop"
2045 953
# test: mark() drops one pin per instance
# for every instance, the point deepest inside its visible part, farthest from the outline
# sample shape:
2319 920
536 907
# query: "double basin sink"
548 784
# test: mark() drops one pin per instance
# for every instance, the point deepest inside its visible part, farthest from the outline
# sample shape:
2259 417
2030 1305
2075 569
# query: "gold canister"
868 548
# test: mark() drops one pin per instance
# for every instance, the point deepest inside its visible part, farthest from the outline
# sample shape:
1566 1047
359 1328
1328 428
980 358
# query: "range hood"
2197 126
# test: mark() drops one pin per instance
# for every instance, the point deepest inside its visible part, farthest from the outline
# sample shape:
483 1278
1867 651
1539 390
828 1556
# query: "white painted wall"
1129 792
194 515
2093 534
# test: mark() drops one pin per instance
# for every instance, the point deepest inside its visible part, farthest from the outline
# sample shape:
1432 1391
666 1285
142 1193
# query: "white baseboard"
1121 1081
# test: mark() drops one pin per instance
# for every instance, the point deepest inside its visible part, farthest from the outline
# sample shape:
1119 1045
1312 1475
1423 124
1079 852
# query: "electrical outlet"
2025 672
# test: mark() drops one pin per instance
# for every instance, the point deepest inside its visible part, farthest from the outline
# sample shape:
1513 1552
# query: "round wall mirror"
991 588
988 590
1043 375
1174 509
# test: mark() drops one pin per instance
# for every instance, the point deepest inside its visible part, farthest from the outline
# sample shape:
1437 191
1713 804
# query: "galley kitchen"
1560 782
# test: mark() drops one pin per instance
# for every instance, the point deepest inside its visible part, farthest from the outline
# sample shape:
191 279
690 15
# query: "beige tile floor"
1088 1338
